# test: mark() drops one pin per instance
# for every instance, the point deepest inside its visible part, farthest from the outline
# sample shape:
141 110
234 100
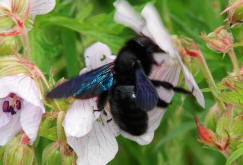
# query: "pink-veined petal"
167 70
98 147
38 7
9 130
97 55
22 86
30 118
79 118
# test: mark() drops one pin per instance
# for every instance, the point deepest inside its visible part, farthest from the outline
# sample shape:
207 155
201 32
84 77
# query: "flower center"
11 104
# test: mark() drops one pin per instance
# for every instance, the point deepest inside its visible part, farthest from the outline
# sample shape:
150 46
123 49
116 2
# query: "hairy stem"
236 69
211 83
26 43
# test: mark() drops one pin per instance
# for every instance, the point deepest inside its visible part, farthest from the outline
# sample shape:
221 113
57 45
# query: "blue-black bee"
124 83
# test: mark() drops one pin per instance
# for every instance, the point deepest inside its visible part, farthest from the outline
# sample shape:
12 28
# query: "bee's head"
147 44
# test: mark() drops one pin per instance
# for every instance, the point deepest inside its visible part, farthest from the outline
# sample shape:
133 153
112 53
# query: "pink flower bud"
219 40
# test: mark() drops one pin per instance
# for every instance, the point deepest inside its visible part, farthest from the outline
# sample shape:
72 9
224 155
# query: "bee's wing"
160 35
146 94
86 85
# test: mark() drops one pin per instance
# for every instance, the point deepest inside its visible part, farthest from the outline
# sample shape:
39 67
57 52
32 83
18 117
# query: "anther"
11 95
6 106
18 104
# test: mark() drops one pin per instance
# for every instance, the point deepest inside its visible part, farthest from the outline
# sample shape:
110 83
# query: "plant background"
58 41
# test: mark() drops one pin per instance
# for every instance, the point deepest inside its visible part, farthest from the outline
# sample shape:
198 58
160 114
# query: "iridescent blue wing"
87 85
146 94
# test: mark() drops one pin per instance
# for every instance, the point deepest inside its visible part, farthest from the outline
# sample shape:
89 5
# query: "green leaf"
234 156
113 41
48 129
70 52
44 46
84 12
178 131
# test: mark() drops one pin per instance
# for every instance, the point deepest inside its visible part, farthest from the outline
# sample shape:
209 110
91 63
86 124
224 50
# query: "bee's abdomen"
126 113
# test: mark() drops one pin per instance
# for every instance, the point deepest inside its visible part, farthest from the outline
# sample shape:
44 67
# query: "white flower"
20 107
92 134
150 25
15 12
33 7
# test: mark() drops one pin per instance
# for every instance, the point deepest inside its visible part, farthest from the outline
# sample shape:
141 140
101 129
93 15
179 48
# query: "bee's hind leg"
169 86
101 101
162 104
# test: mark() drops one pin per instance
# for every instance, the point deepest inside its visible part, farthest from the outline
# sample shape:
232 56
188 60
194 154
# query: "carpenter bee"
124 83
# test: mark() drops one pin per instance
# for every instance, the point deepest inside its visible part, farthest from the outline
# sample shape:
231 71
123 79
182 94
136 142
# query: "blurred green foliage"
58 41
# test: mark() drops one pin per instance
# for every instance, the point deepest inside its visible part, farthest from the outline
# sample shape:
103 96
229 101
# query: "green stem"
209 79
26 43
60 131
234 61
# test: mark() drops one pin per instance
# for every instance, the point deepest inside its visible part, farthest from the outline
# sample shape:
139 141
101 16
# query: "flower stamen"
12 104
5 106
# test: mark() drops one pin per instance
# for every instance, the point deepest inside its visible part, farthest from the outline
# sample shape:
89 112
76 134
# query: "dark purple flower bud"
5 106
11 109
18 104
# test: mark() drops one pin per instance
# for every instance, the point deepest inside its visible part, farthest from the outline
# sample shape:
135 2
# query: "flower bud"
180 44
17 153
9 45
51 154
210 138
212 117
219 40
235 11
225 122
56 153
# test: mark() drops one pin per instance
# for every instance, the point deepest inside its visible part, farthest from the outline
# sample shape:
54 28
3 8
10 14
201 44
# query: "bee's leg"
162 103
109 120
102 99
169 86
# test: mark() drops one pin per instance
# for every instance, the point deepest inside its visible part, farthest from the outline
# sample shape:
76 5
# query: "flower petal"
23 86
97 55
79 118
30 118
8 131
125 15
38 7
158 32
5 4
96 148
110 123
192 85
